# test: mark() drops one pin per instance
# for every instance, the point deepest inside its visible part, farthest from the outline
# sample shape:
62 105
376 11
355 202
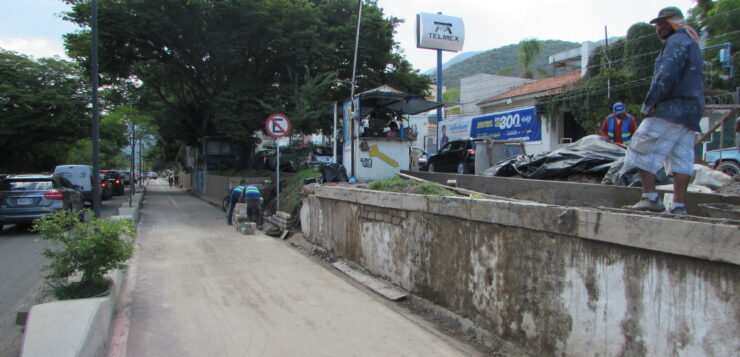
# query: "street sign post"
277 126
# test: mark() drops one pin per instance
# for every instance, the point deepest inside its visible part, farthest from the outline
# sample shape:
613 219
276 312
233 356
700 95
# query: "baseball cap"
667 13
618 107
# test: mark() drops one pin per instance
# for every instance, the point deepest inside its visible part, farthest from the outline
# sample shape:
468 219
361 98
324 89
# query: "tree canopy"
42 112
211 67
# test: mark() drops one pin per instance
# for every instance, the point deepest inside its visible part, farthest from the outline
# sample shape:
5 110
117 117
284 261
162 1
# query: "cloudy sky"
34 27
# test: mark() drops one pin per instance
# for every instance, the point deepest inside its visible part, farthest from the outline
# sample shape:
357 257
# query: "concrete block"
284 215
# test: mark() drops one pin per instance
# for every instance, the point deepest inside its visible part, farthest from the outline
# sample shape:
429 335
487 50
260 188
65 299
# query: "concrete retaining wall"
554 280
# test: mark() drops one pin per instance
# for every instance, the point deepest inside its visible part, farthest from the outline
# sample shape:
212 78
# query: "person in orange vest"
619 126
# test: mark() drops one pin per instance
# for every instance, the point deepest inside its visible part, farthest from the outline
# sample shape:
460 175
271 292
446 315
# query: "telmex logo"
446 32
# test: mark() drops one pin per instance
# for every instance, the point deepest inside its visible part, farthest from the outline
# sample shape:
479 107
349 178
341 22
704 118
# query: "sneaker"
646 204
679 210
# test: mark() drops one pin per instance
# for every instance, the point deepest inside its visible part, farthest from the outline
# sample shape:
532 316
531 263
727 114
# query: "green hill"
503 61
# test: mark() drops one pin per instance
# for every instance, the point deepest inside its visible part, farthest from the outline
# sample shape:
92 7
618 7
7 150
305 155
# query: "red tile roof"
547 86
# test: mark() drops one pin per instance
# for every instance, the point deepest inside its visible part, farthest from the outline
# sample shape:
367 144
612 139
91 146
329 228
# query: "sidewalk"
198 288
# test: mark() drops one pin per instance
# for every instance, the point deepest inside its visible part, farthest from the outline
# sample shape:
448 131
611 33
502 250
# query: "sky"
34 27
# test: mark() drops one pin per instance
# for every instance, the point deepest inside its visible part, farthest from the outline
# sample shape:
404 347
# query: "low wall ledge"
707 239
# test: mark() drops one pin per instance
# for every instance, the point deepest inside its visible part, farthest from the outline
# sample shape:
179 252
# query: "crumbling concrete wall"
555 280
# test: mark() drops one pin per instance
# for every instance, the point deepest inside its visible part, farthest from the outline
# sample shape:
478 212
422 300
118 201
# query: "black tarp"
591 155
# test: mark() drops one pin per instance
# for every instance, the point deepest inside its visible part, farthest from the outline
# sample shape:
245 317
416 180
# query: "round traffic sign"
277 125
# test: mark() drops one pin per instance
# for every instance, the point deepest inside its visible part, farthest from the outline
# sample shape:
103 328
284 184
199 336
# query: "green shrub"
398 184
87 249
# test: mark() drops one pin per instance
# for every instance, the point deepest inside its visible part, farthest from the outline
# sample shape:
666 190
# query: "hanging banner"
452 129
521 124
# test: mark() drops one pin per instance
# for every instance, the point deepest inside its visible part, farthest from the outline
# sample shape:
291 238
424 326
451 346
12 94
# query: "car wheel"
730 168
462 168
431 168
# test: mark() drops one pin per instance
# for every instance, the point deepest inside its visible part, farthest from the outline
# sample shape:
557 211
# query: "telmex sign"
439 32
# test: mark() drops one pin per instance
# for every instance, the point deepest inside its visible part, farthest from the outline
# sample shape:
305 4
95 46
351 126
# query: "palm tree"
528 49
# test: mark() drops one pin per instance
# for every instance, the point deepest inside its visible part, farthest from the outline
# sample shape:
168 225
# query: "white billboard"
439 32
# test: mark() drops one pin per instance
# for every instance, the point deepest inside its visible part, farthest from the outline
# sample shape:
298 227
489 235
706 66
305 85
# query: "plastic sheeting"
591 155
334 173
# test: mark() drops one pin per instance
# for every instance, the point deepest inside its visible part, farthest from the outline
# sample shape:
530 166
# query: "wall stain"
510 280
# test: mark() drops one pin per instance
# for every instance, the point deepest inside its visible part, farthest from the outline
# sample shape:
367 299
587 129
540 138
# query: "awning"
404 103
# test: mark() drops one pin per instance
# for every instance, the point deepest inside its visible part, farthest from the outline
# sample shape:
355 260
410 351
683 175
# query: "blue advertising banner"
520 124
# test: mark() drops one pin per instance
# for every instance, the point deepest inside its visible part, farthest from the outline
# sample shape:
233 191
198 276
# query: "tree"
527 51
218 67
42 112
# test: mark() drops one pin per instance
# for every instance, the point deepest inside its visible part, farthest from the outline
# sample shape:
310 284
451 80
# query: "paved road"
197 288
21 278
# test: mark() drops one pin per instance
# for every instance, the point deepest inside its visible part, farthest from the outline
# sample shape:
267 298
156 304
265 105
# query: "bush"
86 249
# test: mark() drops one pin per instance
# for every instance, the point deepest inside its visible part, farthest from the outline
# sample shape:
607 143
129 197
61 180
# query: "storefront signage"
521 124
439 32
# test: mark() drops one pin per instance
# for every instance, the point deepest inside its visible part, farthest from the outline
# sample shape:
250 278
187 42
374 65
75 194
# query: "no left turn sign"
277 125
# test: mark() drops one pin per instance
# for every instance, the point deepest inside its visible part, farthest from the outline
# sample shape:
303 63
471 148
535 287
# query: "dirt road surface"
198 288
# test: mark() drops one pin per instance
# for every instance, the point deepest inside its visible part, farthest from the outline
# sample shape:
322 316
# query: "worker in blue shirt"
237 195
254 204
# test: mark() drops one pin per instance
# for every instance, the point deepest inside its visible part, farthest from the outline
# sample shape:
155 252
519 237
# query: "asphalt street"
21 277
198 288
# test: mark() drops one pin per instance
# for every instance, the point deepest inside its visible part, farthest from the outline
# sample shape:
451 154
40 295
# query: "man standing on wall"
672 109
619 126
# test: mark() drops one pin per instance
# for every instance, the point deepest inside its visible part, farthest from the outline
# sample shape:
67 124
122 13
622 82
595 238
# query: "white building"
481 86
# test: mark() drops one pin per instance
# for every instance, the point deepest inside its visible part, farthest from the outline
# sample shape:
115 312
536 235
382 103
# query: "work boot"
646 204
679 210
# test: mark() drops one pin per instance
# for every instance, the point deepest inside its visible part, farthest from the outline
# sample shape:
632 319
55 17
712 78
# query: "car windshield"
26 185
322 151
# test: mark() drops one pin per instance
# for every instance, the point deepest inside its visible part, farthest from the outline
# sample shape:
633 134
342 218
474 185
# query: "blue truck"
730 162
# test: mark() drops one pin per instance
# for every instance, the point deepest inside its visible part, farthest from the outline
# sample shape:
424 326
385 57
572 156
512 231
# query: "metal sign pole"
277 172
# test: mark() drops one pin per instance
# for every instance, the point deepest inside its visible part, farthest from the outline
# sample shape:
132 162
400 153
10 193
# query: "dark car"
262 158
455 156
23 198
291 159
115 179
106 189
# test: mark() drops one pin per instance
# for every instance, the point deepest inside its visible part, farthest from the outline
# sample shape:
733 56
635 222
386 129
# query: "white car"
320 155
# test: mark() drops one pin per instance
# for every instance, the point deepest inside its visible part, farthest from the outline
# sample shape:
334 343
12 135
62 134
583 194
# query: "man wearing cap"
619 126
673 107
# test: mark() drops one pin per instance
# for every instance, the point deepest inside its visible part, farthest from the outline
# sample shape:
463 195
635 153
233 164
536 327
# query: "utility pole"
609 64
95 118
131 180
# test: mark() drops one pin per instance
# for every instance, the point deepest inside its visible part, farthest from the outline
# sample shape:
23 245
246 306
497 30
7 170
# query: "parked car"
116 181
124 176
455 156
423 157
106 189
291 159
152 175
79 175
730 163
320 155
262 158
23 198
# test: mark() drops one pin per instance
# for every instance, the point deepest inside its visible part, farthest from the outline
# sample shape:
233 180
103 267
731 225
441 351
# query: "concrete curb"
76 328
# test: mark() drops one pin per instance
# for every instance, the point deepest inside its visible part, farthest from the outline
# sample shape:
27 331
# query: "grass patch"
398 184
292 191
